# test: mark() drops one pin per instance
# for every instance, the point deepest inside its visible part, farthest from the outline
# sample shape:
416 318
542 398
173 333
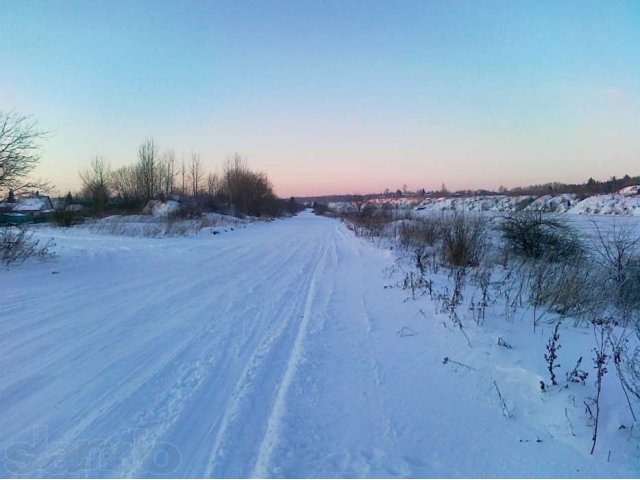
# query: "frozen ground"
273 350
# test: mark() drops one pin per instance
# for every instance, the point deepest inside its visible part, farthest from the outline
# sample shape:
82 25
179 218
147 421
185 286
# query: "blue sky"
334 96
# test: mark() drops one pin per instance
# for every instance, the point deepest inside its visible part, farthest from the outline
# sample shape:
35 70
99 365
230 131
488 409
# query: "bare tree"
148 168
19 151
234 172
125 185
183 177
195 174
168 172
247 192
96 181
212 185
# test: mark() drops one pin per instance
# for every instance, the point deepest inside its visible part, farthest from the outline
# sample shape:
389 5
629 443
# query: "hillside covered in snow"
625 202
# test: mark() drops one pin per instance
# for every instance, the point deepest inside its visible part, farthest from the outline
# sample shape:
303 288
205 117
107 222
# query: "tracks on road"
198 349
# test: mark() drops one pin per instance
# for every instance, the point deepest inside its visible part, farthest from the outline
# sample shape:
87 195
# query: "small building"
26 209
33 205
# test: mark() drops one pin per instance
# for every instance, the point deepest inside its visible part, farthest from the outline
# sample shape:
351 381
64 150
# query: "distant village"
35 207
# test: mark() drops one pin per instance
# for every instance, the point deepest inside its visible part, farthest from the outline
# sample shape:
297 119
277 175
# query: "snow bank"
162 226
162 209
629 191
614 204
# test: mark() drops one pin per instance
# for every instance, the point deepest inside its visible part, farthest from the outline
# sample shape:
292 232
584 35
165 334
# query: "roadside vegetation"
20 144
157 196
156 176
531 266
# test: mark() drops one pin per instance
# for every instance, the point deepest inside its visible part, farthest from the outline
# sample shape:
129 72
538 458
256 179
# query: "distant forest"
590 187
582 190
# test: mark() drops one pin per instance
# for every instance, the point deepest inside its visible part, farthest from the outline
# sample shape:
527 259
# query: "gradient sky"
334 96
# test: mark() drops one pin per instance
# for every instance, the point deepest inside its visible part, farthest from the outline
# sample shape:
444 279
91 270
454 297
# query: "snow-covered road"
271 350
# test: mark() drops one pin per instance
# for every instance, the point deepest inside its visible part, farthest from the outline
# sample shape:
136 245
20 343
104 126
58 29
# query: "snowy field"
283 348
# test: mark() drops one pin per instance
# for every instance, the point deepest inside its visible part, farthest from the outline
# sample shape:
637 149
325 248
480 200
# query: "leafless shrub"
17 245
617 254
369 222
463 239
449 303
482 278
415 283
512 287
618 353
567 289
600 360
551 355
418 232
577 375
532 235
629 365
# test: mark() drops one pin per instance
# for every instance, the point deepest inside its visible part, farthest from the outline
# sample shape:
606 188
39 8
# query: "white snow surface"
279 349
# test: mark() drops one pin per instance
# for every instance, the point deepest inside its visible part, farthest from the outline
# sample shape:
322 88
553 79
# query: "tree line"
590 187
156 175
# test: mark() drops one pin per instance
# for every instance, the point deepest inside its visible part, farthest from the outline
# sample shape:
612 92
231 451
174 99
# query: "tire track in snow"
166 410
135 383
278 410
263 348
311 440
246 385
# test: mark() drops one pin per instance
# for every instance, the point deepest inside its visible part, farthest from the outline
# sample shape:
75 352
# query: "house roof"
35 203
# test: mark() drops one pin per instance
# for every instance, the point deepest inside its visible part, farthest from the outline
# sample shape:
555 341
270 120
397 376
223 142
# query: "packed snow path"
271 350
